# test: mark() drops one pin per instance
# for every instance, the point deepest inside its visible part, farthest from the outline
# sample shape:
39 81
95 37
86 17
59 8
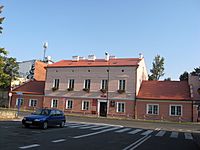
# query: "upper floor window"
120 106
152 109
71 84
122 84
104 84
175 110
19 101
87 84
33 102
56 83
69 104
54 103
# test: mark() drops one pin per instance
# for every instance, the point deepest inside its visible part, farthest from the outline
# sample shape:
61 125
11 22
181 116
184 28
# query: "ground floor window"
33 102
175 110
20 101
54 103
85 105
120 106
152 109
69 104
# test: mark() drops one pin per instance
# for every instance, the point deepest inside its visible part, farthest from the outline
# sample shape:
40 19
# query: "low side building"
30 95
164 100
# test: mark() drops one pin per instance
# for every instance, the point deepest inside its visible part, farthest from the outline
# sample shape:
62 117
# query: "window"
56 83
54 103
85 105
87 84
71 84
33 102
104 84
175 110
120 107
122 84
152 109
21 100
69 104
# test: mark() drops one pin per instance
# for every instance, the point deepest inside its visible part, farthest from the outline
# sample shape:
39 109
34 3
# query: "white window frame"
85 101
122 85
84 86
22 102
34 103
120 111
176 105
52 102
56 83
105 86
67 104
147 109
72 84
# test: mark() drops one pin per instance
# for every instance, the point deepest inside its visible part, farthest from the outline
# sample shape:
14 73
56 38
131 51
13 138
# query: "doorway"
103 109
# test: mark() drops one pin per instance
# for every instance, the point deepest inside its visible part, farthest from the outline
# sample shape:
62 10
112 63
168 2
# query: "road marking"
147 132
29 146
188 136
75 126
87 127
137 142
57 141
160 133
140 143
174 135
157 129
122 130
95 133
99 128
135 131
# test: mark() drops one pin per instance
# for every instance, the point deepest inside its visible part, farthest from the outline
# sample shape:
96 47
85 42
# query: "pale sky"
124 28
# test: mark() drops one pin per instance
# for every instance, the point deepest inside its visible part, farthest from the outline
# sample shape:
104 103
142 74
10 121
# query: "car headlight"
37 120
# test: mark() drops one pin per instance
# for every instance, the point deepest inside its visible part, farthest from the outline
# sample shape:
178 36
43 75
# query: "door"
103 109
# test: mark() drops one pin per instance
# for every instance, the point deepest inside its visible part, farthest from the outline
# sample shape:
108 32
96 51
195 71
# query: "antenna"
45 46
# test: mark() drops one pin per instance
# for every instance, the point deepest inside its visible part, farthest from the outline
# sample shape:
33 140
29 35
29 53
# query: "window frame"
72 84
67 104
34 103
83 102
147 109
56 83
123 86
87 84
21 102
52 103
104 84
118 108
175 105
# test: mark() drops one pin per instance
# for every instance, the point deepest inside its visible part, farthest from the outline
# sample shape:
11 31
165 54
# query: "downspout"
192 110
135 115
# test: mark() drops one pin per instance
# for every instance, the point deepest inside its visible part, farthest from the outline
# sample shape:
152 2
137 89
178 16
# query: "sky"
124 28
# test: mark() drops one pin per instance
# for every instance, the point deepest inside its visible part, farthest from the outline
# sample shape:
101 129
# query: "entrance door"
103 109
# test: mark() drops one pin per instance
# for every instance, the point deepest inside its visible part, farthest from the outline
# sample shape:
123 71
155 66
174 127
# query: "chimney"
81 58
106 56
141 56
112 57
91 57
75 58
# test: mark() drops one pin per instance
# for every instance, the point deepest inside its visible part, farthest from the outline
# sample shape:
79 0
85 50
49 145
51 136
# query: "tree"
8 65
184 76
196 72
158 68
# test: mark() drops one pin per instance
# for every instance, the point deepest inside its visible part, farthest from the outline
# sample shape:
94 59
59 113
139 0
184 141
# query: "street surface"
89 136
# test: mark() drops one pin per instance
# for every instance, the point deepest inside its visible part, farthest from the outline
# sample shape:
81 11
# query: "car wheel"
62 124
44 125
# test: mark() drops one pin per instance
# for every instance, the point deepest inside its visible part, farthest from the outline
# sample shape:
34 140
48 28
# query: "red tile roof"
164 90
97 62
31 87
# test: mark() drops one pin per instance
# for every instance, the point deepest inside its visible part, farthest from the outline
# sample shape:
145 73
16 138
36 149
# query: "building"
165 100
30 95
101 87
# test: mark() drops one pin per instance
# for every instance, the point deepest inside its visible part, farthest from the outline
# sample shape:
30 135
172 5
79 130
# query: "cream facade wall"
95 74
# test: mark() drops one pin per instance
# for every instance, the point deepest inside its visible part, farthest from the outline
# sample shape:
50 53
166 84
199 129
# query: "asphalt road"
93 136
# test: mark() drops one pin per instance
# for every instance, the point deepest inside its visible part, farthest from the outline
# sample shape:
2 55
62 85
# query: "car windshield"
42 112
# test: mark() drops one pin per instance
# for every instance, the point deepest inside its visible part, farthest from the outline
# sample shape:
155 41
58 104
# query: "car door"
52 118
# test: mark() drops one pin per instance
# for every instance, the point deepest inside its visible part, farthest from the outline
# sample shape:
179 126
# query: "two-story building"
101 87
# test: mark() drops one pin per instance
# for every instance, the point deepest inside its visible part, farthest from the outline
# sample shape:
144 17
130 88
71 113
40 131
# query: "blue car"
44 118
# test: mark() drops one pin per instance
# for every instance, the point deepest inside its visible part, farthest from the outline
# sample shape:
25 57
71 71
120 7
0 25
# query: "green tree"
158 68
184 76
8 65
196 71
